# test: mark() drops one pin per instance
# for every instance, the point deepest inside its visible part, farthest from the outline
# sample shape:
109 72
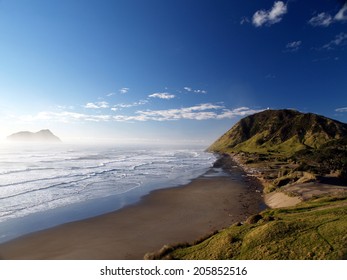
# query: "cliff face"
280 131
44 135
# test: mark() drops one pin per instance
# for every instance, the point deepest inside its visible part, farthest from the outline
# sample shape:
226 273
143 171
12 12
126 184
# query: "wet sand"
167 216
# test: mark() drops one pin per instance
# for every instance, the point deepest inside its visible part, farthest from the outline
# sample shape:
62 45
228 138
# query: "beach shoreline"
166 216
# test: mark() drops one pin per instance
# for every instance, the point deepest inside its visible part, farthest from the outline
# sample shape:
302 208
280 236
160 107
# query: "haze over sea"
44 186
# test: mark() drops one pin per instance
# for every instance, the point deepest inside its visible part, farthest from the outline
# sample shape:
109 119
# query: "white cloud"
97 105
91 106
342 13
189 89
124 90
293 46
64 107
270 17
162 95
322 19
341 110
259 18
200 91
238 112
129 105
340 39
198 112
325 19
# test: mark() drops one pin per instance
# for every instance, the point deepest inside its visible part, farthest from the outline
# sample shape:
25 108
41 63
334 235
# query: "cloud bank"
128 105
206 111
97 105
340 40
162 95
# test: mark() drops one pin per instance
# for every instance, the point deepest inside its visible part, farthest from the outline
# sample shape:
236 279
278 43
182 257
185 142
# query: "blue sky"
167 70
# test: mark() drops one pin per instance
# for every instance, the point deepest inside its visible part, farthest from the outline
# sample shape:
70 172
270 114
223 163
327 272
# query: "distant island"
44 135
301 161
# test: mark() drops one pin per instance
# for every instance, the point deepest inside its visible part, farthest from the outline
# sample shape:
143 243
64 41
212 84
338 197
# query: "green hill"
287 146
282 132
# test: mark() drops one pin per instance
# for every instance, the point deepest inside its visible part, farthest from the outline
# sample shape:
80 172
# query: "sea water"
44 186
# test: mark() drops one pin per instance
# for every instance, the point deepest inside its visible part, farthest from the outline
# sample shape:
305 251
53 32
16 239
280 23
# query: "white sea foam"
39 179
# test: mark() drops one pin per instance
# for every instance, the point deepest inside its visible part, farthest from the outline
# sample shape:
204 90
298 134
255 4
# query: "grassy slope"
312 230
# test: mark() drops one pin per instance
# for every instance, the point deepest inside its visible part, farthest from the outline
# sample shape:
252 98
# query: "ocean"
42 186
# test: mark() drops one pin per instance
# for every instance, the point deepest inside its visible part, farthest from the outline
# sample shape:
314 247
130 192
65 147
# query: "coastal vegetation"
283 148
315 229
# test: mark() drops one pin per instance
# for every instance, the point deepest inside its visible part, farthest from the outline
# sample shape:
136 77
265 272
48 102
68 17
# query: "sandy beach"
167 216
280 199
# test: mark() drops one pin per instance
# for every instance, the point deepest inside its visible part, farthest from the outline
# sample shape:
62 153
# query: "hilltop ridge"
280 131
